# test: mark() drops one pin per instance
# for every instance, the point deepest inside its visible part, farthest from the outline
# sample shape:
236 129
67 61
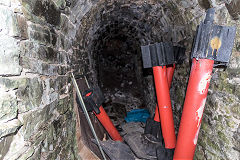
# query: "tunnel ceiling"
148 22
142 22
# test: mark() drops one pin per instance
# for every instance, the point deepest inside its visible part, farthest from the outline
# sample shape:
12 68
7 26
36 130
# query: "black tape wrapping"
93 99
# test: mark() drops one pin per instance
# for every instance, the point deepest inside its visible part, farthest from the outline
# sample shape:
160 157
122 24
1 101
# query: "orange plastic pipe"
108 125
193 108
170 72
157 116
165 107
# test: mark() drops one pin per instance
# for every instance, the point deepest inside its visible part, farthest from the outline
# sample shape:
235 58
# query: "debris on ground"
137 115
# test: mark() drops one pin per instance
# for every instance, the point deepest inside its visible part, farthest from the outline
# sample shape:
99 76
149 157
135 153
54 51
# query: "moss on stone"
219 126
236 109
205 127
199 154
220 118
230 123
223 137
213 144
225 86
226 109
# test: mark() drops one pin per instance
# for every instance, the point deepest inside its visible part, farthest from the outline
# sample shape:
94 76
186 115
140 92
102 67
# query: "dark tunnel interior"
119 71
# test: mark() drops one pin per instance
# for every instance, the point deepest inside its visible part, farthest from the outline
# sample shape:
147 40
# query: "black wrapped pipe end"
158 54
93 99
179 54
213 41
162 54
209 15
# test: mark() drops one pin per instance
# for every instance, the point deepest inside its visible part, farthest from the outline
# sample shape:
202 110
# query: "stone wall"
42 41
37 54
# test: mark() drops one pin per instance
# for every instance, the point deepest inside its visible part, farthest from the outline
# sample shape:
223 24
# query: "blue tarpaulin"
137 115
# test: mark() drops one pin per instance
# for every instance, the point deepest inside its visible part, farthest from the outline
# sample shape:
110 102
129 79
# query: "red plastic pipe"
165 107
170 72
193 108
157 116
108 125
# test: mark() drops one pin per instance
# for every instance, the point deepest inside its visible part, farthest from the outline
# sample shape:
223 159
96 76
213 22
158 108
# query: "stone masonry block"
36 121
7 21
5 145
8 107
41 37
67 28
9 127
29 94
29 49
12 24
21 27
41 52
9 53
12 83
65 43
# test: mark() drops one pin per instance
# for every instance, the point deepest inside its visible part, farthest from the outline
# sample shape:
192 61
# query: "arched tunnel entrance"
112 34
112 37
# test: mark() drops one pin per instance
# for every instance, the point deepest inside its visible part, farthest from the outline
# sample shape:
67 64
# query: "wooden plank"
87 149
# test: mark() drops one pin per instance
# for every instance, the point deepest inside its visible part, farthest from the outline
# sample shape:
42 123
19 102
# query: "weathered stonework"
9 62
41 42
36 119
